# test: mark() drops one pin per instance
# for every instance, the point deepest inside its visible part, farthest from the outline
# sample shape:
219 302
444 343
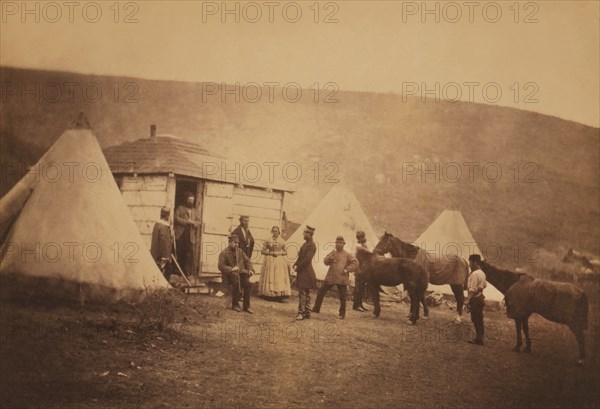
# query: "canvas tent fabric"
67 226
449 234
338 214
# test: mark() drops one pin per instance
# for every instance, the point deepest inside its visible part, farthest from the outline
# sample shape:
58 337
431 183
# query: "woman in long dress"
274 276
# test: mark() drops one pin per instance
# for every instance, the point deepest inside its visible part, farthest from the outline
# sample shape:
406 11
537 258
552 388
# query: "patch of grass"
161 310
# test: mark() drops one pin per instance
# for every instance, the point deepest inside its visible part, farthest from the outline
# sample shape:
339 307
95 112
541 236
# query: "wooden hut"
156 171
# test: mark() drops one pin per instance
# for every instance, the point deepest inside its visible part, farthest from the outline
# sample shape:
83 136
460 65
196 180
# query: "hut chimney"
152 131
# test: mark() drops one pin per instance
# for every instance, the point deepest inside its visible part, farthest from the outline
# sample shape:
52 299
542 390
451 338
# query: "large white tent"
338 214
66 226
449 234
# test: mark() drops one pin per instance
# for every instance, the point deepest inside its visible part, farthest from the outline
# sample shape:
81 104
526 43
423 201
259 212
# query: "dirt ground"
68 357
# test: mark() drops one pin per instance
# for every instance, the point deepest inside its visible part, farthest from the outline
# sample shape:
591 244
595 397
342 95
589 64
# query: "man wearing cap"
340 263
162 242
246 240
187 222
359 282
238 269
475 299
306 278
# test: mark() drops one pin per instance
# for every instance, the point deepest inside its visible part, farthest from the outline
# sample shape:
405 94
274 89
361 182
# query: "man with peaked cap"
306 279
162 242
238 269
187 222
475 299
359 282
341 264
246 240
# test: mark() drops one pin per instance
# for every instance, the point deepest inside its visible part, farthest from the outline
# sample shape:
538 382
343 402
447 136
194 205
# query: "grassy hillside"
374 139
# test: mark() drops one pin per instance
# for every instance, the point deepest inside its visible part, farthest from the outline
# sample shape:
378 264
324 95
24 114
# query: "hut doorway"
196 187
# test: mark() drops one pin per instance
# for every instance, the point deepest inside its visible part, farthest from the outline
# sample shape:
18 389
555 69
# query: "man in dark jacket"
246 241
306 278
359 281
238 269
162 243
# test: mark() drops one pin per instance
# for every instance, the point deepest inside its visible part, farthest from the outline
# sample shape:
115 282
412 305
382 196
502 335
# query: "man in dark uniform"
340 263
359 282
246 241
187 222
161 247
306 278
476 300
238 269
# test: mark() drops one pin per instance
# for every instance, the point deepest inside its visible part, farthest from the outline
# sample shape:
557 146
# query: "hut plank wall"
145 195
223 205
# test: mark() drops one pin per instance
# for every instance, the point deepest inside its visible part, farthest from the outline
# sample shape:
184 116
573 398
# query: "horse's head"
396 247
384 245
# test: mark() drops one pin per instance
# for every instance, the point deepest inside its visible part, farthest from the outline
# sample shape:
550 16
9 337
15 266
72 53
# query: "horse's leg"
425 307
374 289
413 293
526 332
518 324
580 337
459 295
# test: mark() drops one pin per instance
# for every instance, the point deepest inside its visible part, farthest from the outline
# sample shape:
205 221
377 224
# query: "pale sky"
379 46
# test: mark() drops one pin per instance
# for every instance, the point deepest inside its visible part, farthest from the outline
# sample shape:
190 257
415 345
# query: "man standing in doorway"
187 222
246 243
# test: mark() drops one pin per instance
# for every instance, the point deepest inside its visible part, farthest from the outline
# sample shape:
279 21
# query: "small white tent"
338 214
449 234
65 226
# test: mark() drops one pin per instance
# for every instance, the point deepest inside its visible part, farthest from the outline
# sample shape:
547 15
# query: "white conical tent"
338 214
73 225
449 234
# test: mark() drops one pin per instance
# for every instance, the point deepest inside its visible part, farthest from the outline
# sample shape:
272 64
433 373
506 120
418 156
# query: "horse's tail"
581 311
465 269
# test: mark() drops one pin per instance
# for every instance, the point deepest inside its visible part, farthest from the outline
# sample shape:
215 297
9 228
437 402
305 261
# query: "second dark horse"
378 271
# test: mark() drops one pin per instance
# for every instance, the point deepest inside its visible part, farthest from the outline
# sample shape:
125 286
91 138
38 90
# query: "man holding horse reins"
341 264
475 299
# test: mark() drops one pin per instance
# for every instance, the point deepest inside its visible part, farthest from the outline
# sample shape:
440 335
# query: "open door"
217 224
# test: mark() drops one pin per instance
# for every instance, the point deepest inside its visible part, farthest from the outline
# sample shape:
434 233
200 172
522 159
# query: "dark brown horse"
558 302
378 271
450 269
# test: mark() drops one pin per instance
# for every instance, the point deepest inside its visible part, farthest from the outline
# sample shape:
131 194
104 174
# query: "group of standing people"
275 275
236 266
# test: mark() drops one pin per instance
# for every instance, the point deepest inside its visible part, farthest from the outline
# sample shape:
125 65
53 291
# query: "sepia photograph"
300 204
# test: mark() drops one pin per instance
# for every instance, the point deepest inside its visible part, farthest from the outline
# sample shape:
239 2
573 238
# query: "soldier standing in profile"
161 247
476 300
359 282
306 279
